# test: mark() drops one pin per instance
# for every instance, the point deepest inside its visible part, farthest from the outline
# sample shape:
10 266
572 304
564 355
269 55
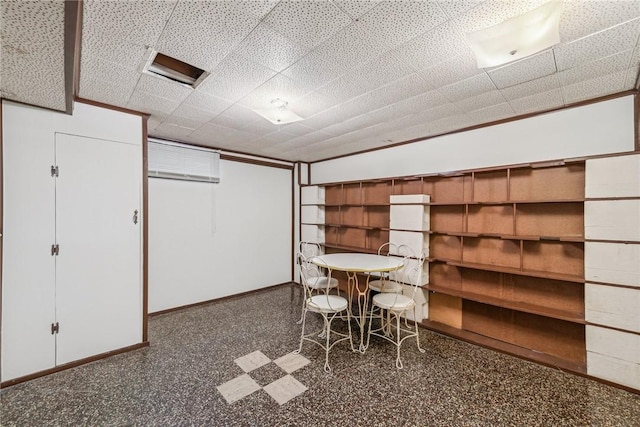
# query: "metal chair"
329 306
320 282
389 307
387 282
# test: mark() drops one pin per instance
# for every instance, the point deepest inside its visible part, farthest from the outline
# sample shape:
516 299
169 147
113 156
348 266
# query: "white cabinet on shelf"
612 269
408 225
72 267
312 214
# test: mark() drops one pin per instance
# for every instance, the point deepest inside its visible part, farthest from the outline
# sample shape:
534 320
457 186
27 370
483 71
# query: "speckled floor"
175 381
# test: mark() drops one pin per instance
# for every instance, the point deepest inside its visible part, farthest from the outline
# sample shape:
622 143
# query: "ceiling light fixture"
279 114
517 37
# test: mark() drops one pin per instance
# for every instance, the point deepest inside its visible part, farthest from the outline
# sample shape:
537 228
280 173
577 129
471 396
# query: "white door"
27 265
98 273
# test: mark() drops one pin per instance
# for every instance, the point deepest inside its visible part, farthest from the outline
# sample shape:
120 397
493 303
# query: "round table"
354 263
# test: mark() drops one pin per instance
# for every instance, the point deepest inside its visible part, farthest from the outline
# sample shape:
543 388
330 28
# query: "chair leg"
415 325
398 342
304 321
327 327
304 299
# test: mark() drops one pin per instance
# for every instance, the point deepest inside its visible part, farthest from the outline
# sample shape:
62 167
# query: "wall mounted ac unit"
183 162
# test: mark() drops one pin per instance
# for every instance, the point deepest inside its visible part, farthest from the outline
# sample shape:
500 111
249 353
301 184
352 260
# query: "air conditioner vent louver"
183 162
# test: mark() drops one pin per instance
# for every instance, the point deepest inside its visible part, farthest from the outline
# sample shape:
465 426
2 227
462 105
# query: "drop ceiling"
363 74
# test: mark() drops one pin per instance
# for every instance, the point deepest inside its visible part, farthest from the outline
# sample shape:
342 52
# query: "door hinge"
55 250
55 171
55 328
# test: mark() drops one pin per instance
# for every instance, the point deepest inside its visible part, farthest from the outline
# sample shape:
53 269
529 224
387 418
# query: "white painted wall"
28 285
605 127
208 241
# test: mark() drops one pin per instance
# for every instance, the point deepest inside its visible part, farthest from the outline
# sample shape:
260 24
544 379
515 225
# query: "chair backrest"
411 273
310 249
309 273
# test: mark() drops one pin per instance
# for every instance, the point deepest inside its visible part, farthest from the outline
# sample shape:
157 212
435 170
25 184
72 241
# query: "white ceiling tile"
188 117
310 23
469 87
373 75
258 8
202 33
311 104
351 47
203 101
235 77
543 84
591 70
141 22
279 86
454 8
153 104
32 66
95 68
449 124
312 71
396 22
632 78
492 12
115 50
433 47
296 129
274 138
162 87
486 99
106 92
594 88
356 8
581 18
423 101
237 116
530 68
492 113
599 45
538 102
152 123
458 68
171 131
267 47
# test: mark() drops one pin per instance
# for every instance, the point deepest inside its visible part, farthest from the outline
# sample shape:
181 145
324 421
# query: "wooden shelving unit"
506 261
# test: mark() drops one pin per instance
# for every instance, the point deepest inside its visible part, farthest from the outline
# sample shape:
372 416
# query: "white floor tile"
238 388
291 362
285 389
252 361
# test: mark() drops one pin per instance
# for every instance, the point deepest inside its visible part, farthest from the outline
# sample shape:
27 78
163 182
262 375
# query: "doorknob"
135 216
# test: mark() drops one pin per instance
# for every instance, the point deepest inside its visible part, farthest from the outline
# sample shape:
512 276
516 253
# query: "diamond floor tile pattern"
281 390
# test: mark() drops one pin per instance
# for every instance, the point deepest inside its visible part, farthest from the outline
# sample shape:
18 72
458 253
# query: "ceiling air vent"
166 67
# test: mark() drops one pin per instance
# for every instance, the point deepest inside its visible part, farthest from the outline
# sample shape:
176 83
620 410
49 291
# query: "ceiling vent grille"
160 65
183 162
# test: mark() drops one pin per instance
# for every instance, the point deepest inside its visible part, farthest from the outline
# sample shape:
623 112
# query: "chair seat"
320 282
393 302
327 303
388 286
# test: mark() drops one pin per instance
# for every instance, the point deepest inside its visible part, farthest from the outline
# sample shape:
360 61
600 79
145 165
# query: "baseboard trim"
196 304
73 364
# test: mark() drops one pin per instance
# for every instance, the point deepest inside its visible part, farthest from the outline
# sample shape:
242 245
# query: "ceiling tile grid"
361 73
538 102
608 42
32 68
531 68
309 22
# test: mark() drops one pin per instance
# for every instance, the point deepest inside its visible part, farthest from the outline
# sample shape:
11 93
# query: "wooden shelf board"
506 202
574 239
350 248
513 305
516 271
506 348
